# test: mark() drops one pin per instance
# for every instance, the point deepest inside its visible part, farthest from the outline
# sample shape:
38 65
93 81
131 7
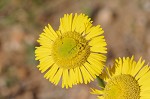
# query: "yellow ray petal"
97 41
72 76
96 64
138 66
50 33
58 75
142 72
98 56
91 70
50 74
86 76
66 23
78 75
65 78
96 91
94 31
81 23
98 49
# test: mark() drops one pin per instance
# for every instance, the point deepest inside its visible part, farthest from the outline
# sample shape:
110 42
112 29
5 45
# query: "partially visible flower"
129 80
73 53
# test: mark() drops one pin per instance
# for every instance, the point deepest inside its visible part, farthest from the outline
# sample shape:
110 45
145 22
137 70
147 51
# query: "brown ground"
127 29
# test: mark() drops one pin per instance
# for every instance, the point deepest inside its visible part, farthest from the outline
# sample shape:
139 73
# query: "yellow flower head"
73 53
129 80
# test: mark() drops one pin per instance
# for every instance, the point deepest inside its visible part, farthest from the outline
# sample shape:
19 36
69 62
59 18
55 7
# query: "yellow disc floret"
70 50
122 87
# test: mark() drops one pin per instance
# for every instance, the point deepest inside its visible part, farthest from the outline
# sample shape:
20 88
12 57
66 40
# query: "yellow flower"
129 80
73 53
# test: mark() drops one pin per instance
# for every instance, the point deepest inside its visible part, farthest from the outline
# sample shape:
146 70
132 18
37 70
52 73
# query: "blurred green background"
127 31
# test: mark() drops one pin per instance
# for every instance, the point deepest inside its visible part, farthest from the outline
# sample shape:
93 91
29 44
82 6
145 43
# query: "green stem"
100 82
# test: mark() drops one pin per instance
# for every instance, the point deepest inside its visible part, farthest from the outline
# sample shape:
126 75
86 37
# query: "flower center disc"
70 50
122 87
67 47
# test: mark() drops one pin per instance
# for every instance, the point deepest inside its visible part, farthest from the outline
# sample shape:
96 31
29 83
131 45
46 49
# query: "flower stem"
100 82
